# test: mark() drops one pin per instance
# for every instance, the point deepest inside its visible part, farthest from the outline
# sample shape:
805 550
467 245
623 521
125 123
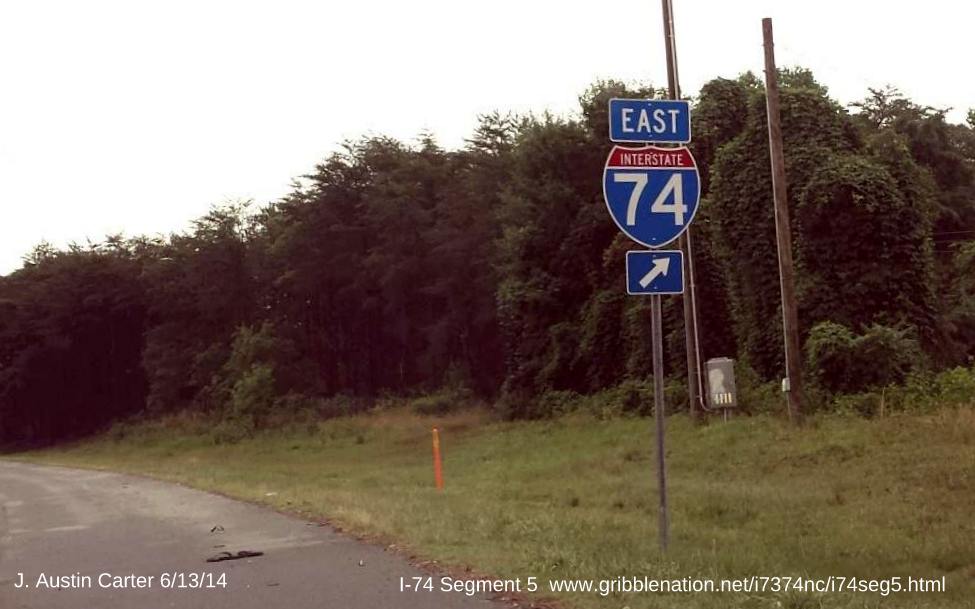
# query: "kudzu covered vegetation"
493 272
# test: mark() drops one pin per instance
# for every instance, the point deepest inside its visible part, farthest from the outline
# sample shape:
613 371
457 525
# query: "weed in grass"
633 455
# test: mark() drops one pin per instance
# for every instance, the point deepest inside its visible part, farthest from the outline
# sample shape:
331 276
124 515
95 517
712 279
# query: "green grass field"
576 497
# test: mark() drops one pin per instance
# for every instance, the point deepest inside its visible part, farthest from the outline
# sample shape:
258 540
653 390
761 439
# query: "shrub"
118 431
342 404
446 400
232 430
294 411
261 372
885 355
926 392
253 394
843 362
754 395
522 405
862 404
921 392
295 403
675 396
434 404
829 349
631 397
636 397
956 387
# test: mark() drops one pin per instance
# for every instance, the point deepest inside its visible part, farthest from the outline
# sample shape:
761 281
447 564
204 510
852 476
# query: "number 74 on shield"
674 189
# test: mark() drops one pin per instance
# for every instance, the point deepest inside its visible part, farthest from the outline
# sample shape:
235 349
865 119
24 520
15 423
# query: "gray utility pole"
792 385
659 410
684 241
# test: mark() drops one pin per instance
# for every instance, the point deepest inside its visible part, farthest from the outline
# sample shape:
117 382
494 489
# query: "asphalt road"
59 522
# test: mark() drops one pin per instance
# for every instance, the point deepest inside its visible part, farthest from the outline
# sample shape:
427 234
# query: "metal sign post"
663 520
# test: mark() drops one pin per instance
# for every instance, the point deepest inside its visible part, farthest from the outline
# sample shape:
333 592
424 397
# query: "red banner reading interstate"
651 157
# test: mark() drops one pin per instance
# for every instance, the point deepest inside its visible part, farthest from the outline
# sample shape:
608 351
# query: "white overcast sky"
136 116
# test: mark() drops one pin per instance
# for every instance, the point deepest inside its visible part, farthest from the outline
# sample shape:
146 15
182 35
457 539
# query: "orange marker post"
437 465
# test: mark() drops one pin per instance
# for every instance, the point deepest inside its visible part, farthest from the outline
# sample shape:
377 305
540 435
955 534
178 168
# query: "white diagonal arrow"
660 267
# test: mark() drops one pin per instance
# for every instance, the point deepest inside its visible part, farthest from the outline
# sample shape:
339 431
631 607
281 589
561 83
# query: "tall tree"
71 334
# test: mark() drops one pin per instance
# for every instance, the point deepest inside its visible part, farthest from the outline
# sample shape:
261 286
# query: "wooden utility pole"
792 384
684 241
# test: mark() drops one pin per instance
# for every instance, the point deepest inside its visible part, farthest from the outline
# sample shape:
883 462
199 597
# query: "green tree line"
398 268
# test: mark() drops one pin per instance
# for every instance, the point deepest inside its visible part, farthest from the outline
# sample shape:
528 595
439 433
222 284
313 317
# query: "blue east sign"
661 121
654 272
652 193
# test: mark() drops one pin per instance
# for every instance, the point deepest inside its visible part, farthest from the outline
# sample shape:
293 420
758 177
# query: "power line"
955 232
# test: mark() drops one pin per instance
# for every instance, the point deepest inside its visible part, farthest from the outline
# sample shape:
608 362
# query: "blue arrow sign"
654 272
652 193
649 120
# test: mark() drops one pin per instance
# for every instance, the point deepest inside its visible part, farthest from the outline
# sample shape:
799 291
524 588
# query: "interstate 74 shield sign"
651 192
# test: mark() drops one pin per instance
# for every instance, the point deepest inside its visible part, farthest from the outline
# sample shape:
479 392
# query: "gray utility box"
721 383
